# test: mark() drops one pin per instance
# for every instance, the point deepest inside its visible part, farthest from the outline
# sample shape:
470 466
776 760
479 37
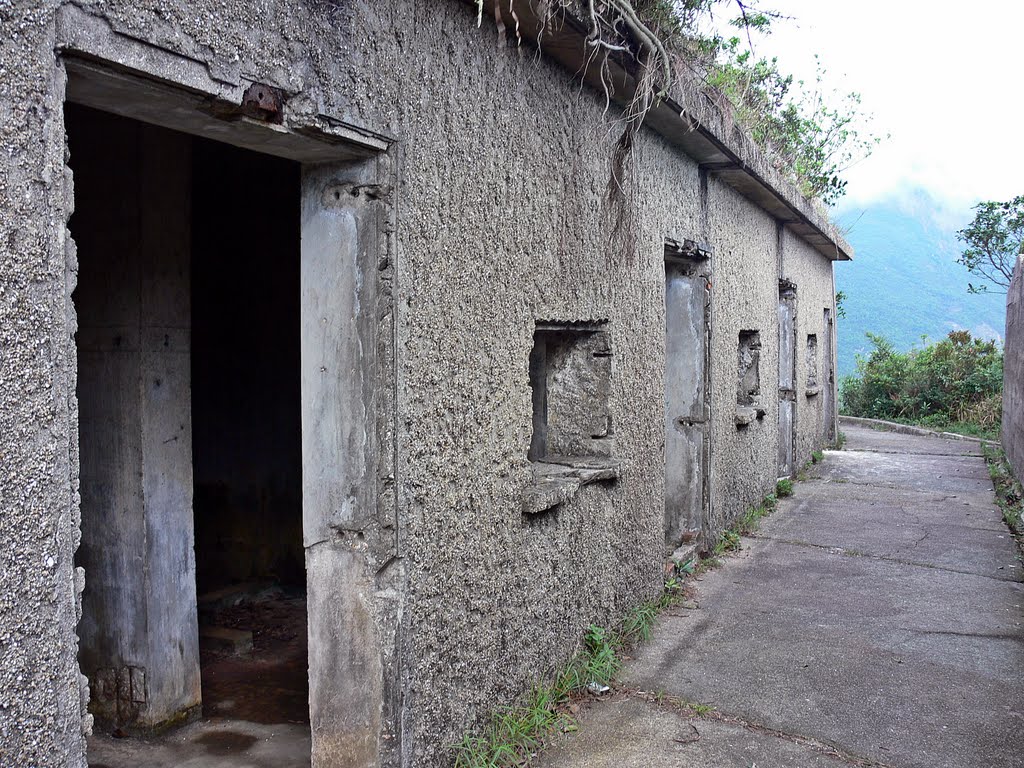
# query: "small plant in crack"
1009 494
729 541
701 710
784 488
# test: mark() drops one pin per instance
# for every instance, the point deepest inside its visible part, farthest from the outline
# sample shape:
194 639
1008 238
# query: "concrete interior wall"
812 360
354 575
138 631
787 378
686 402
570 376
828 404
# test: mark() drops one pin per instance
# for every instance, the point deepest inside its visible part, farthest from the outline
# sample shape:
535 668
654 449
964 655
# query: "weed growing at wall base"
515 733
748 523
1009 494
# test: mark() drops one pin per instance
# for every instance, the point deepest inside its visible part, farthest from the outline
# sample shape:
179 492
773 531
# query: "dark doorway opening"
188 343
246 431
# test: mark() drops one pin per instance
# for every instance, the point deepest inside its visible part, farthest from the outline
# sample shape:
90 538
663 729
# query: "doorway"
190 436
687 327
787 377
830 378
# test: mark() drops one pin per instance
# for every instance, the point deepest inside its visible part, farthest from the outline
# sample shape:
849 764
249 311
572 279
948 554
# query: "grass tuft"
1009 494
515 733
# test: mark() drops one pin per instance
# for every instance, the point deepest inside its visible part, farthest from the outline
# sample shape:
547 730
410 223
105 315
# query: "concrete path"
875 621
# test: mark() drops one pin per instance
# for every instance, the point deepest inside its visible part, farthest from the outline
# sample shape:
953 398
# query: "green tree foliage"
993 242
811 133
841 303
958 379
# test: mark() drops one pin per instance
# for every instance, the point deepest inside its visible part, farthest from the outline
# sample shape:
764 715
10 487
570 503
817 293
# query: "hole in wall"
748 386
570 378
812 360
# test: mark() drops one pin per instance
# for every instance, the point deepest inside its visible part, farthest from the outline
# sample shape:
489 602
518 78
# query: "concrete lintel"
117 73
690 119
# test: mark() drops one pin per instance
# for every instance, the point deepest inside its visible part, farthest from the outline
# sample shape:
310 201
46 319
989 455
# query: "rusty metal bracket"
263 102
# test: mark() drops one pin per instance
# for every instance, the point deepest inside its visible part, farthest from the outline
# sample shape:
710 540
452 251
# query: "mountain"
904 282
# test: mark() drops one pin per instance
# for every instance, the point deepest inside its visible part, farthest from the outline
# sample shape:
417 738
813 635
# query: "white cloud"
943 82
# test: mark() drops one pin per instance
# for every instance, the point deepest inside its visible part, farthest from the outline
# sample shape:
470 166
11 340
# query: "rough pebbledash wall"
40 709
815 293
1013 373
505 213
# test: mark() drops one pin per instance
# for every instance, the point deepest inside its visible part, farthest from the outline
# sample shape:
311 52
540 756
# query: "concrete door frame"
353 644
695 261
788 296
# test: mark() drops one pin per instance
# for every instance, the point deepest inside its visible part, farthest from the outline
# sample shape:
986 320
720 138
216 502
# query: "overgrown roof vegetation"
811 134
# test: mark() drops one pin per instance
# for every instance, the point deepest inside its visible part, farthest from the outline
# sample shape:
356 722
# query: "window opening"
812 364
573 441
748 379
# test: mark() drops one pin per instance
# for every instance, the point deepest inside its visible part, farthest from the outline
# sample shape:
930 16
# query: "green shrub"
957 379
784 488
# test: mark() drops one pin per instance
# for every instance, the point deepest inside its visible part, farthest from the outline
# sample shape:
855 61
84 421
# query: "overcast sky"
943 80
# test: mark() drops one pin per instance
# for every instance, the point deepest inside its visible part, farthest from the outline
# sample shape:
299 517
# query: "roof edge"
692 117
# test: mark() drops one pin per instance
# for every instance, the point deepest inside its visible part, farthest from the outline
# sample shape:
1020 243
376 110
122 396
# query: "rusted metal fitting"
263 102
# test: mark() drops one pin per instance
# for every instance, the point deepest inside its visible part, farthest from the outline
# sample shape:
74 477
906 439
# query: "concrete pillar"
338 468
139 635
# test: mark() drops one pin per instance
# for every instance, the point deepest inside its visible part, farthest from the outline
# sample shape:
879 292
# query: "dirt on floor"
255 704
270 684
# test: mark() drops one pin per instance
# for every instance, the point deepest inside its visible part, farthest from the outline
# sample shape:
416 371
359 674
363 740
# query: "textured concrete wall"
502 211
41 711
1013 373
814 294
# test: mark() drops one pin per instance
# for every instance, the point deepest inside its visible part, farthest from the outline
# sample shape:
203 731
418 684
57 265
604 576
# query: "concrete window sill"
557 479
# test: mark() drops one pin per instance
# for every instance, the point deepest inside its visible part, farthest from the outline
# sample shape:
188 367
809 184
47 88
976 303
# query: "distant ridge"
904 282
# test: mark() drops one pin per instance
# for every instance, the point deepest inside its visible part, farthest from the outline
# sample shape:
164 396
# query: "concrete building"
1012 433
378 307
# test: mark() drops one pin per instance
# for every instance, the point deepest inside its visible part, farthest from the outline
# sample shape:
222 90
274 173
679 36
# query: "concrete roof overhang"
126 76
692 117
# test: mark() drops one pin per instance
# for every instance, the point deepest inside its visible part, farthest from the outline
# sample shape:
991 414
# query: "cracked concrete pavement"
875 620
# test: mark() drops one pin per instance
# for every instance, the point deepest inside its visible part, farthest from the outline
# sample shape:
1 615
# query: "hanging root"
606 35
605 22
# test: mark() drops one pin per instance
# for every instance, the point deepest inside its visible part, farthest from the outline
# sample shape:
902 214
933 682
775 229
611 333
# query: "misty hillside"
904 282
